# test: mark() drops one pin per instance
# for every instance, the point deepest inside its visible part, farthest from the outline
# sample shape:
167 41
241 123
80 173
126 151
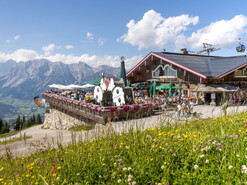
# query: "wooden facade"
192 73
144 74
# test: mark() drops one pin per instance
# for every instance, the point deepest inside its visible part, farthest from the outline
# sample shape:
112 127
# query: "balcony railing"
96 113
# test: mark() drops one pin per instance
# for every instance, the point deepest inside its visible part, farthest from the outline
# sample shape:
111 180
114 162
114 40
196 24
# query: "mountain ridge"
21 81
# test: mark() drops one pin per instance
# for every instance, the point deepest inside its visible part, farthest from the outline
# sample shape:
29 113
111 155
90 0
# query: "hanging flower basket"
125 108
113 109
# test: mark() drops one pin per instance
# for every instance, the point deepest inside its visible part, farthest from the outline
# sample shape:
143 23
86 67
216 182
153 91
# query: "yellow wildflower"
59 167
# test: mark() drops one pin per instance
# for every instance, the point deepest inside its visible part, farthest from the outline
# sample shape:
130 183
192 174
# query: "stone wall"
58 120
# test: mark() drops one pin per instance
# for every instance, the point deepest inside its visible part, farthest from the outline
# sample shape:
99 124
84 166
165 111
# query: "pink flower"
219 145
236 137
120 161
136 107
126 108
112 109
131 107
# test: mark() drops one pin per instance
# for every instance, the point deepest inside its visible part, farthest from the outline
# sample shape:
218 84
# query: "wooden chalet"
207 77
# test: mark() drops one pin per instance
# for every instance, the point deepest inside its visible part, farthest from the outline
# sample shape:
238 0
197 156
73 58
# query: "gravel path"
45 138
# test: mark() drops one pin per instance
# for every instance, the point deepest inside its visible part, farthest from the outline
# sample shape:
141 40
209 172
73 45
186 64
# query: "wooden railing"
95 112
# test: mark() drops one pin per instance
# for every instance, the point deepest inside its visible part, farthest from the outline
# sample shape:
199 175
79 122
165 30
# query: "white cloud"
223 33
131 62
17 37
89 36
154 31
94 61
48 49
100 42
69 47
20 55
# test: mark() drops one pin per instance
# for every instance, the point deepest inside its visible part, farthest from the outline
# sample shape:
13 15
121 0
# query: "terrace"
84 111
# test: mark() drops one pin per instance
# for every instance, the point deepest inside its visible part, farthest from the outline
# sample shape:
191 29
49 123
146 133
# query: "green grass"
15 132
82 127
15 140
211 151
5 135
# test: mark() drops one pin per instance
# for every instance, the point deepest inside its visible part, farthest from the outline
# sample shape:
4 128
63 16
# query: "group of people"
79 95
182 104
184 109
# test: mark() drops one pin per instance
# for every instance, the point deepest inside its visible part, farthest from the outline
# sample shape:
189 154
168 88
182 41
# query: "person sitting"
87 98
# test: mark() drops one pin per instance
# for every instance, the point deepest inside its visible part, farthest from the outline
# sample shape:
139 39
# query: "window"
164 72
241 73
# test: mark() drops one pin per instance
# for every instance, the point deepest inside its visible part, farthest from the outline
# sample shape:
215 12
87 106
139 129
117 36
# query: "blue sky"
96 32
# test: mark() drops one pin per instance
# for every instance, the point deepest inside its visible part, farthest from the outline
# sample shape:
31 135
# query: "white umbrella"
88 86
52 86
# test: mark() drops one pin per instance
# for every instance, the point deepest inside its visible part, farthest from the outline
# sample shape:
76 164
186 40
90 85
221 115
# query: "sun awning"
165 87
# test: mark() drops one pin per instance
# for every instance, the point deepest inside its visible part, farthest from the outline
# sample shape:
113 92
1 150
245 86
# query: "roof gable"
200 65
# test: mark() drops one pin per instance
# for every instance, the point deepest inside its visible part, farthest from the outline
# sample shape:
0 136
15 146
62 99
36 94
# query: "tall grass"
211 151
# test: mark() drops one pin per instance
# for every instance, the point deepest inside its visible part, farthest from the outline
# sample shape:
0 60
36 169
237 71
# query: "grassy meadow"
211 151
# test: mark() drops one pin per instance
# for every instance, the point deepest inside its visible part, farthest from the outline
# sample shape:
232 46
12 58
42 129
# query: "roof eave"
167 60
233 70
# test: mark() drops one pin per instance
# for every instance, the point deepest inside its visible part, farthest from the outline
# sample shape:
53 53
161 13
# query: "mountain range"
24 80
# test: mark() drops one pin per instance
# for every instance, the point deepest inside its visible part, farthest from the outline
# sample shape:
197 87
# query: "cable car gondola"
240 47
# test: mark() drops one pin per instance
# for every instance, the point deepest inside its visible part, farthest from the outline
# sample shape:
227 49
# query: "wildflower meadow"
210 151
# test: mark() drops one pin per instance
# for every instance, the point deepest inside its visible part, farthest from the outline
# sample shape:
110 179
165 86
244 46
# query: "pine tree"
23 120
17 123
1 125
39 120
33 119
29 122
5 127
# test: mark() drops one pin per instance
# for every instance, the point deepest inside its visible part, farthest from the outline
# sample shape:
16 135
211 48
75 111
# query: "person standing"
224 107
178 110
191 106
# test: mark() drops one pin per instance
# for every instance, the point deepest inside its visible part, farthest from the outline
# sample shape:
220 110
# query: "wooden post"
109 123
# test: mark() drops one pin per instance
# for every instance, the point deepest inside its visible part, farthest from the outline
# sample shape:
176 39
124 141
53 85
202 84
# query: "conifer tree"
18 123
39 120
33 119
5 127
29 122
1 125
23 120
